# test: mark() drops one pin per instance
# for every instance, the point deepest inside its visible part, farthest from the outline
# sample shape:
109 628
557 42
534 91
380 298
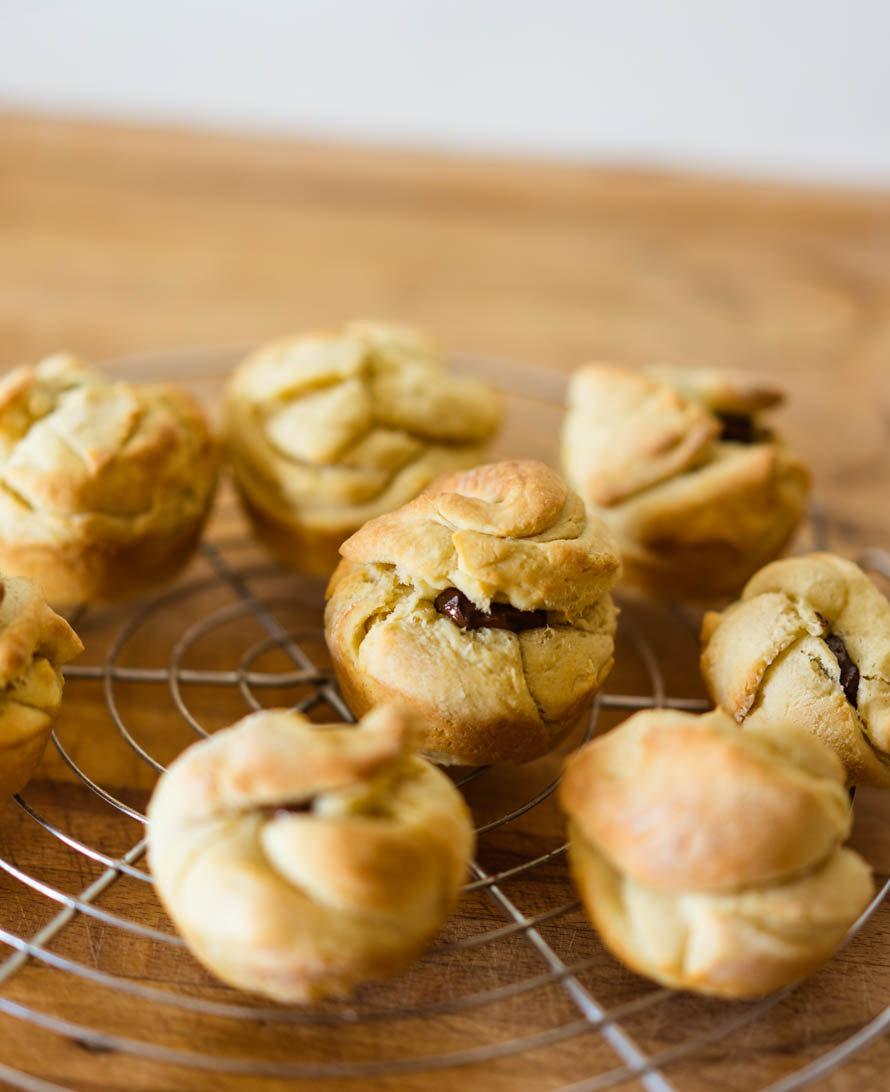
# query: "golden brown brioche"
299 860
808 644
34 643
328 430
104 486
720 391
484 605
675 461
710 858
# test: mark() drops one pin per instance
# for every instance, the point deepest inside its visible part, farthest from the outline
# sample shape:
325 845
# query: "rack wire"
591 1015
518 912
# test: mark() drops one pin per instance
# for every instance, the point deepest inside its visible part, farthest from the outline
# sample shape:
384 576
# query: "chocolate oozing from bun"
680 465
849 678
464 613
300 807
742 428
738 428
849 670
482 605
808 645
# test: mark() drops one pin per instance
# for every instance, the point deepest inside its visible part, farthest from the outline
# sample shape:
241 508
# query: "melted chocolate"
279 811
849 670
464 613
738 428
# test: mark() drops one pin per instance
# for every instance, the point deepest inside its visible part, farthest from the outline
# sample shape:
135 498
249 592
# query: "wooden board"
116 240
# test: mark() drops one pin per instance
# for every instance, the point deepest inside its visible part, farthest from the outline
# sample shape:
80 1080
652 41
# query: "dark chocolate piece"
739 428
464 613
279 811
849 670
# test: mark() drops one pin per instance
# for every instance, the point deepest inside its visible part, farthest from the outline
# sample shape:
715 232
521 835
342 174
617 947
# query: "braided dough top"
774 637
279 758
627 431
34 643
299 858
682 802
511 531
332 420
78 449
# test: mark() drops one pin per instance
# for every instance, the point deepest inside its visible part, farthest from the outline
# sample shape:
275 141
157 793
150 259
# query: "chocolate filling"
464 613
278 811
849 670
738 428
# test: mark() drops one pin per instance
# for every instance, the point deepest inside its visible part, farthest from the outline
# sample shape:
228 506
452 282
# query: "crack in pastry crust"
34 643
769 655
508 534
299 860
329 430
104 486
710 858
694 512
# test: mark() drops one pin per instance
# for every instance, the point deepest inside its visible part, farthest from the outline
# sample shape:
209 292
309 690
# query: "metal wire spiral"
591 1014
245 683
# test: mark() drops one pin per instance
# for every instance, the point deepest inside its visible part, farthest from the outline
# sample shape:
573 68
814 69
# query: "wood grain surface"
115 241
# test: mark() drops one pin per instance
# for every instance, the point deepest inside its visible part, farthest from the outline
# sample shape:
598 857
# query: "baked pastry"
484 605
328 430
808 644
710 858
299 859
697 492
104 486
34 643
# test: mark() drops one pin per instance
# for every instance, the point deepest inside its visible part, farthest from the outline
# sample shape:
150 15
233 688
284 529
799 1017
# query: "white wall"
783 87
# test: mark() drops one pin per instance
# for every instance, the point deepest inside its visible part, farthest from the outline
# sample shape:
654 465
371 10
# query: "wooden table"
116 240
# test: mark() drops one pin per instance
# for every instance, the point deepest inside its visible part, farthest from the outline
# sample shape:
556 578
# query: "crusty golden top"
34 643
73 443
333 419
682 802
511 531
719 390
306 819
627 431
799 601
278 758
633 431
29 627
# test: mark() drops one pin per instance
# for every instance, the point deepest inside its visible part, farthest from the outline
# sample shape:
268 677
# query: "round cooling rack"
97 991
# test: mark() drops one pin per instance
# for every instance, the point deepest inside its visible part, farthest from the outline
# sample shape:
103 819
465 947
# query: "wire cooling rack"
303 673
516 993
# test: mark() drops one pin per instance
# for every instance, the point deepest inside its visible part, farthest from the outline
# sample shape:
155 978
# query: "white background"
795 88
